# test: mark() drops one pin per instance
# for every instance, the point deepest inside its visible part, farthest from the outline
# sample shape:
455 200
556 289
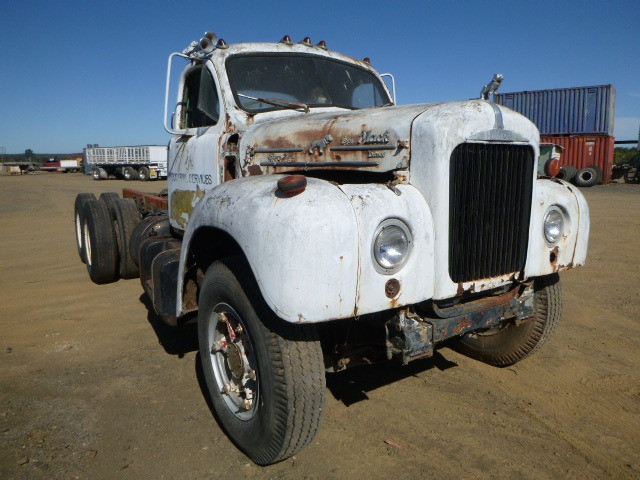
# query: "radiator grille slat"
489 210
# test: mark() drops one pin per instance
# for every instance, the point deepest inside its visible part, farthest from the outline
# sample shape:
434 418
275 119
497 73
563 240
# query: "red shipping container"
585 151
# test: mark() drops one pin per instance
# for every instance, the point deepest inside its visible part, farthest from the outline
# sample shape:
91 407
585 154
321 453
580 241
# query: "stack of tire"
585 177
104 228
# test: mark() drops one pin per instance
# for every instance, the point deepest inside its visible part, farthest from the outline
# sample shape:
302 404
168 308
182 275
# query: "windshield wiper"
277 102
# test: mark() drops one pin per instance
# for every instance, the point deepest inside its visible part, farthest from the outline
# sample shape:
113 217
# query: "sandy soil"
92 386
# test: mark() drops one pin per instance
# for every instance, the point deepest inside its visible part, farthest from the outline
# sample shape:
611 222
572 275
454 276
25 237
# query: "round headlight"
553 225
391 245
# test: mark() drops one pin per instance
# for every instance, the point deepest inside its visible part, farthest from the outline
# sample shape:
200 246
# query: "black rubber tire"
78 216
95 173
567 173
600 174
100 243
143 174
512 343
127 219
110 199
586 177
290 368
129 173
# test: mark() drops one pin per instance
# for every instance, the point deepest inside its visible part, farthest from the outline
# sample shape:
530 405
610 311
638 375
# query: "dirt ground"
92 386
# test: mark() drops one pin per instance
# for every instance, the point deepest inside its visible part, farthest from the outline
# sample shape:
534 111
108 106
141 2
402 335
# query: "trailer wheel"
129 173
510 343
567 173
586 177
265 377
100 242
95 173
127 219
143 174
78 216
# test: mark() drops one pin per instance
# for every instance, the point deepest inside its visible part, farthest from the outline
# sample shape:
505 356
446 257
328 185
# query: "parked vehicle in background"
142 162
310 224
65 166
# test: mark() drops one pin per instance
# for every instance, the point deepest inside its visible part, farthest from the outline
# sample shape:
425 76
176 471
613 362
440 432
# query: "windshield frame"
238 104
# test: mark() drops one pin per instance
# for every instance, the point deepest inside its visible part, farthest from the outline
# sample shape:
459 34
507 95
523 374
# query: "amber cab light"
292 185
552 167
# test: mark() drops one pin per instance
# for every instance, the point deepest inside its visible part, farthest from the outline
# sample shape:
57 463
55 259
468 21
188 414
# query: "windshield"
301 80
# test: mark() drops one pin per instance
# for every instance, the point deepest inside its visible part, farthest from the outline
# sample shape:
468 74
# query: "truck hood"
373 139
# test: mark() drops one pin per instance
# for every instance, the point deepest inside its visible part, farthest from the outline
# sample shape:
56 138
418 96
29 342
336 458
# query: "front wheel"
510 343
265 377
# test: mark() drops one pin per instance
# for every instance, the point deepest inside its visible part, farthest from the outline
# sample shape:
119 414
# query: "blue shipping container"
566 111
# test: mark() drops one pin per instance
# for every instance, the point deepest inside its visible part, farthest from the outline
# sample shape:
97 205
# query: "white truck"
141 162
311 224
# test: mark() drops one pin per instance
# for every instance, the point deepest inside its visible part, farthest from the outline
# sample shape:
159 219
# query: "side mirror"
170 127
384 76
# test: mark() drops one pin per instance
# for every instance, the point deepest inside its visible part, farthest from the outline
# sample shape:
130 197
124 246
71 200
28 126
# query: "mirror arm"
393 86
170 128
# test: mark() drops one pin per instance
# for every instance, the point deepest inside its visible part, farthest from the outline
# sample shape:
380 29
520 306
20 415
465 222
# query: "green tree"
623 155
27 153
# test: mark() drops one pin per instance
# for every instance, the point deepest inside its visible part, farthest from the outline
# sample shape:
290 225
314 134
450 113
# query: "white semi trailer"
143 162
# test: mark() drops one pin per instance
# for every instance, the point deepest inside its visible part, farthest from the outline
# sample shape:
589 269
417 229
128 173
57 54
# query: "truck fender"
302 250
415 281
571 250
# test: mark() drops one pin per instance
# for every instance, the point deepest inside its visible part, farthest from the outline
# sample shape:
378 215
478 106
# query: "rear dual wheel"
103 233
99 239
129 173
265 377
143 174
78 215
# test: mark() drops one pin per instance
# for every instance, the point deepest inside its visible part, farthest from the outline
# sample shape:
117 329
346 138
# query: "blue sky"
73 73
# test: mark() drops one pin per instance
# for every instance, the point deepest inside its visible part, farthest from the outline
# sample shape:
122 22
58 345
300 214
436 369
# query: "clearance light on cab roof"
286 40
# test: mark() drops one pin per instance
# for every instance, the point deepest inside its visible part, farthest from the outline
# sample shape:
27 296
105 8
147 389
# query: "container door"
590 118
589 152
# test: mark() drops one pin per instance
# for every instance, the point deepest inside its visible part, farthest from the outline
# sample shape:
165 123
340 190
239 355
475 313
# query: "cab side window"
201 106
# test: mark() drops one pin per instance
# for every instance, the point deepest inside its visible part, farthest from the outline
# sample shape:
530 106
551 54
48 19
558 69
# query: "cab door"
194 151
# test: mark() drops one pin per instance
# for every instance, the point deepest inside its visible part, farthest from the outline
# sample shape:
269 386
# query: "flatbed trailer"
143 162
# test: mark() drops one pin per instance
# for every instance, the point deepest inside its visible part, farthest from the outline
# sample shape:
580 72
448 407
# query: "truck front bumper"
413 334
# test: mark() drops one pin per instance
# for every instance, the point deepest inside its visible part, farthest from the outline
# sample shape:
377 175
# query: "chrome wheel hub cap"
232 359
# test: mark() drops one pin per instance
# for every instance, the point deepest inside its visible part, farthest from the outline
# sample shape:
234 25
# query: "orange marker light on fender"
292 185
552 167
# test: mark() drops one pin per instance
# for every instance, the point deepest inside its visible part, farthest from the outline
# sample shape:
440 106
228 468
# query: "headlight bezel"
553 210
391 223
